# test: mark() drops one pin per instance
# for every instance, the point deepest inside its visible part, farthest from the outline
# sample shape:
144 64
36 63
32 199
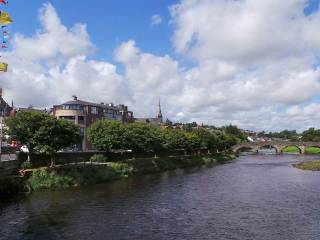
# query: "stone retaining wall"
8 168
64 158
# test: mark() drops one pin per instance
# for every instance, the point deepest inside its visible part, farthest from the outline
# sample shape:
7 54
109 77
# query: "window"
82 131
68 117
94 110
81 119
72 107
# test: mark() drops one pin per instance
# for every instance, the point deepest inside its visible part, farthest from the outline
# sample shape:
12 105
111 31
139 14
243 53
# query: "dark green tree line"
140 137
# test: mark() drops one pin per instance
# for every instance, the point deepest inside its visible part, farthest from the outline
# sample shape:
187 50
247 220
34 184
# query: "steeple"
160 113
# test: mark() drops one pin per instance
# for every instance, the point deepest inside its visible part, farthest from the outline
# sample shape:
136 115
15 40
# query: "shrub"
98 158
123 169
45 179
26 165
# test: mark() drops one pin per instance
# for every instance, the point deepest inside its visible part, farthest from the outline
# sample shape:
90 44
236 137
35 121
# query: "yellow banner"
5 18
3 67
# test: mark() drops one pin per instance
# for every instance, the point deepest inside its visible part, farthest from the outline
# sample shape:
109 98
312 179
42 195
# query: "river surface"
255 197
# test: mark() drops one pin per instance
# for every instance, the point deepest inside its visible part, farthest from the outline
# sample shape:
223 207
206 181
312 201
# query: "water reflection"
255 197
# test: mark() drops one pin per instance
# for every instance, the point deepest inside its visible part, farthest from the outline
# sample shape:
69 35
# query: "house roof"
85 103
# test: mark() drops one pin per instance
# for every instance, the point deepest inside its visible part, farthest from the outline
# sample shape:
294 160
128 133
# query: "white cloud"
254 66
156 20
149 77
51 66
251 55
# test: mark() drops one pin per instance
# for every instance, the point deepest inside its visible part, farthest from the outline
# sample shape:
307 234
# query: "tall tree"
107 135
42 133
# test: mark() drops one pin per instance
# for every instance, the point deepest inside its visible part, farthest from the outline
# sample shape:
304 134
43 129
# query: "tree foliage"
175 139
234 131
106 135
140 137
41 132
311 135
285 134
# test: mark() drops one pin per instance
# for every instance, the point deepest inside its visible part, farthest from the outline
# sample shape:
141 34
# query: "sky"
253 63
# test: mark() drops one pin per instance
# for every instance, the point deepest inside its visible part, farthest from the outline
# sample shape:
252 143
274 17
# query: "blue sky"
108 22
254 63
111 22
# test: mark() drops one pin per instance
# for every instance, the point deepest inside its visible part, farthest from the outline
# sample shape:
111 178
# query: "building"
15 110
85 113
5 109
156 121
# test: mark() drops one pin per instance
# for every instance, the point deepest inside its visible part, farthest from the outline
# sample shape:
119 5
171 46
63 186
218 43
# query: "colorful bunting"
5 18
3 67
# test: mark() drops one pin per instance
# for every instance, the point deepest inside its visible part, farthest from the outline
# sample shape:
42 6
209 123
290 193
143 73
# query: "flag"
3 67
5 18
3 1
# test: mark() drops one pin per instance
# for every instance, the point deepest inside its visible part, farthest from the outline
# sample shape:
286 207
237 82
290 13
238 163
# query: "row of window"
72 107
94 110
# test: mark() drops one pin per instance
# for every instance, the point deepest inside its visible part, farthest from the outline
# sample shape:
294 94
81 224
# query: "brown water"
255 197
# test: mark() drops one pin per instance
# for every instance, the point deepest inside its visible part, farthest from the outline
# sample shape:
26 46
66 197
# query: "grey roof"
85 103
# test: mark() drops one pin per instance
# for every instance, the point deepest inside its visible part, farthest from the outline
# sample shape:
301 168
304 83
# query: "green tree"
107 135
193 140
235 131
175 139
225 141
189 126
42 133
311 135
206 138
141 137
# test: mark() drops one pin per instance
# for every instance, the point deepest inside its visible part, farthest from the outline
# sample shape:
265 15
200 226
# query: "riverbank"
294 149
85 174
310 166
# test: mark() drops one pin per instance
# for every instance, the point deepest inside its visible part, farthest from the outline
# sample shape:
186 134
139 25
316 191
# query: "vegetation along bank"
311 166
47 135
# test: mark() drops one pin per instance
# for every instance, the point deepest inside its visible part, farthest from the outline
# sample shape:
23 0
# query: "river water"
255 197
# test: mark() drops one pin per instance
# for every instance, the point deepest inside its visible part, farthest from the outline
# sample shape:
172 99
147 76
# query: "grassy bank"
311 166
72 176
290 149
309 150
313 150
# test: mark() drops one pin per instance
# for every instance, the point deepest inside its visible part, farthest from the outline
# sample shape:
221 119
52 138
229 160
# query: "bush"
70 177
100 158
122 169
26 165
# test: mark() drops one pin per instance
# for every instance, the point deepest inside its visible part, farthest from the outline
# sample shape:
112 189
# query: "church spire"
160 113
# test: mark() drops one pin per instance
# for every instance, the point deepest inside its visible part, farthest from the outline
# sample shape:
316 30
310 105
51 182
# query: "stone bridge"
277 145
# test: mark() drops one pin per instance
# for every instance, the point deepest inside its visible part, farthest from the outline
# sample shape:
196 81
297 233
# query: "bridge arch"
240 149
299 148
268 146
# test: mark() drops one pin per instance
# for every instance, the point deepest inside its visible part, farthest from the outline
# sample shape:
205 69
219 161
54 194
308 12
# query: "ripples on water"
255 197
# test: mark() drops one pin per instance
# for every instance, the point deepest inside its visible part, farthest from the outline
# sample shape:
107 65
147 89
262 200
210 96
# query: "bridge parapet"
278 145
